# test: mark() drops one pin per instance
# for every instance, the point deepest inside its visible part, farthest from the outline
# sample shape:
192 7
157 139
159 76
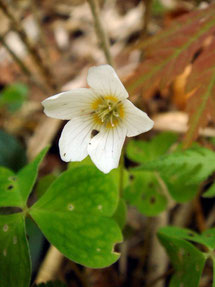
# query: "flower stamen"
108 111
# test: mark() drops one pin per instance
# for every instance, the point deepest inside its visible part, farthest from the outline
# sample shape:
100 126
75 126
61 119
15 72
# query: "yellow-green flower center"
108 111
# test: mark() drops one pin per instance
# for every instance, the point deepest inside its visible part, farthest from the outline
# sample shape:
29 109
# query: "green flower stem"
101 34
121 172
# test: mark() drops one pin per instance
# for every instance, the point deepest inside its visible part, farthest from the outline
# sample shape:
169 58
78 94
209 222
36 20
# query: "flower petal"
68 105
136 121
104 80
105 148
75 138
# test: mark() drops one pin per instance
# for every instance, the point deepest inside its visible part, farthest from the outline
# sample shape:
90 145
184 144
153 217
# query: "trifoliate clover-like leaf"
75 215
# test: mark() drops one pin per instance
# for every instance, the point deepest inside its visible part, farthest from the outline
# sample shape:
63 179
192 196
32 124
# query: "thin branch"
42 38
22 65
16 58
157 253
200 218
160 277
50 266
38 61
146 17
101 34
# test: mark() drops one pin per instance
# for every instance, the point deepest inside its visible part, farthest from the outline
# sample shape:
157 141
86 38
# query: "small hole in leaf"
152 199
116 249
190 234
64 154
10 187
94 133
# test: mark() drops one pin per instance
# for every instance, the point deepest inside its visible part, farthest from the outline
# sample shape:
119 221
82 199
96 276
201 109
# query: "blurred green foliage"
12 153
13 96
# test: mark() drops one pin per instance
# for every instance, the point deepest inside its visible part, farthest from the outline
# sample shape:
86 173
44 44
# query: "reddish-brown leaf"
201 105
168 53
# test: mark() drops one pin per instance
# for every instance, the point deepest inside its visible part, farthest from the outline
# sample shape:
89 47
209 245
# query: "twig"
101 34
147 16
158 259
22 65
183 215
43 135
171 202
49 266
16 58
42 38
211 218
123 260
38 61
200 219
160 277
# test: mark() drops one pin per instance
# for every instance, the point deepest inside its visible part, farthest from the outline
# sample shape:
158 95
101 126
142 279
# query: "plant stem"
101 34
200 219
147 16
121 173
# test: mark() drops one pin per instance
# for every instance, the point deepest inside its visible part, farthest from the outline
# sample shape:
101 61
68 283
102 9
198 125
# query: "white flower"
100 119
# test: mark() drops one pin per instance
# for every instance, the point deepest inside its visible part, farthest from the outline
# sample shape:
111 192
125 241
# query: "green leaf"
142 151
51 284
145 192
75 216
198 161
15 188
36 243
207 238
9 195
13 96
28 175
121 213
210 192
179 186
187 260
86 161
12 153
44 183
15 266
